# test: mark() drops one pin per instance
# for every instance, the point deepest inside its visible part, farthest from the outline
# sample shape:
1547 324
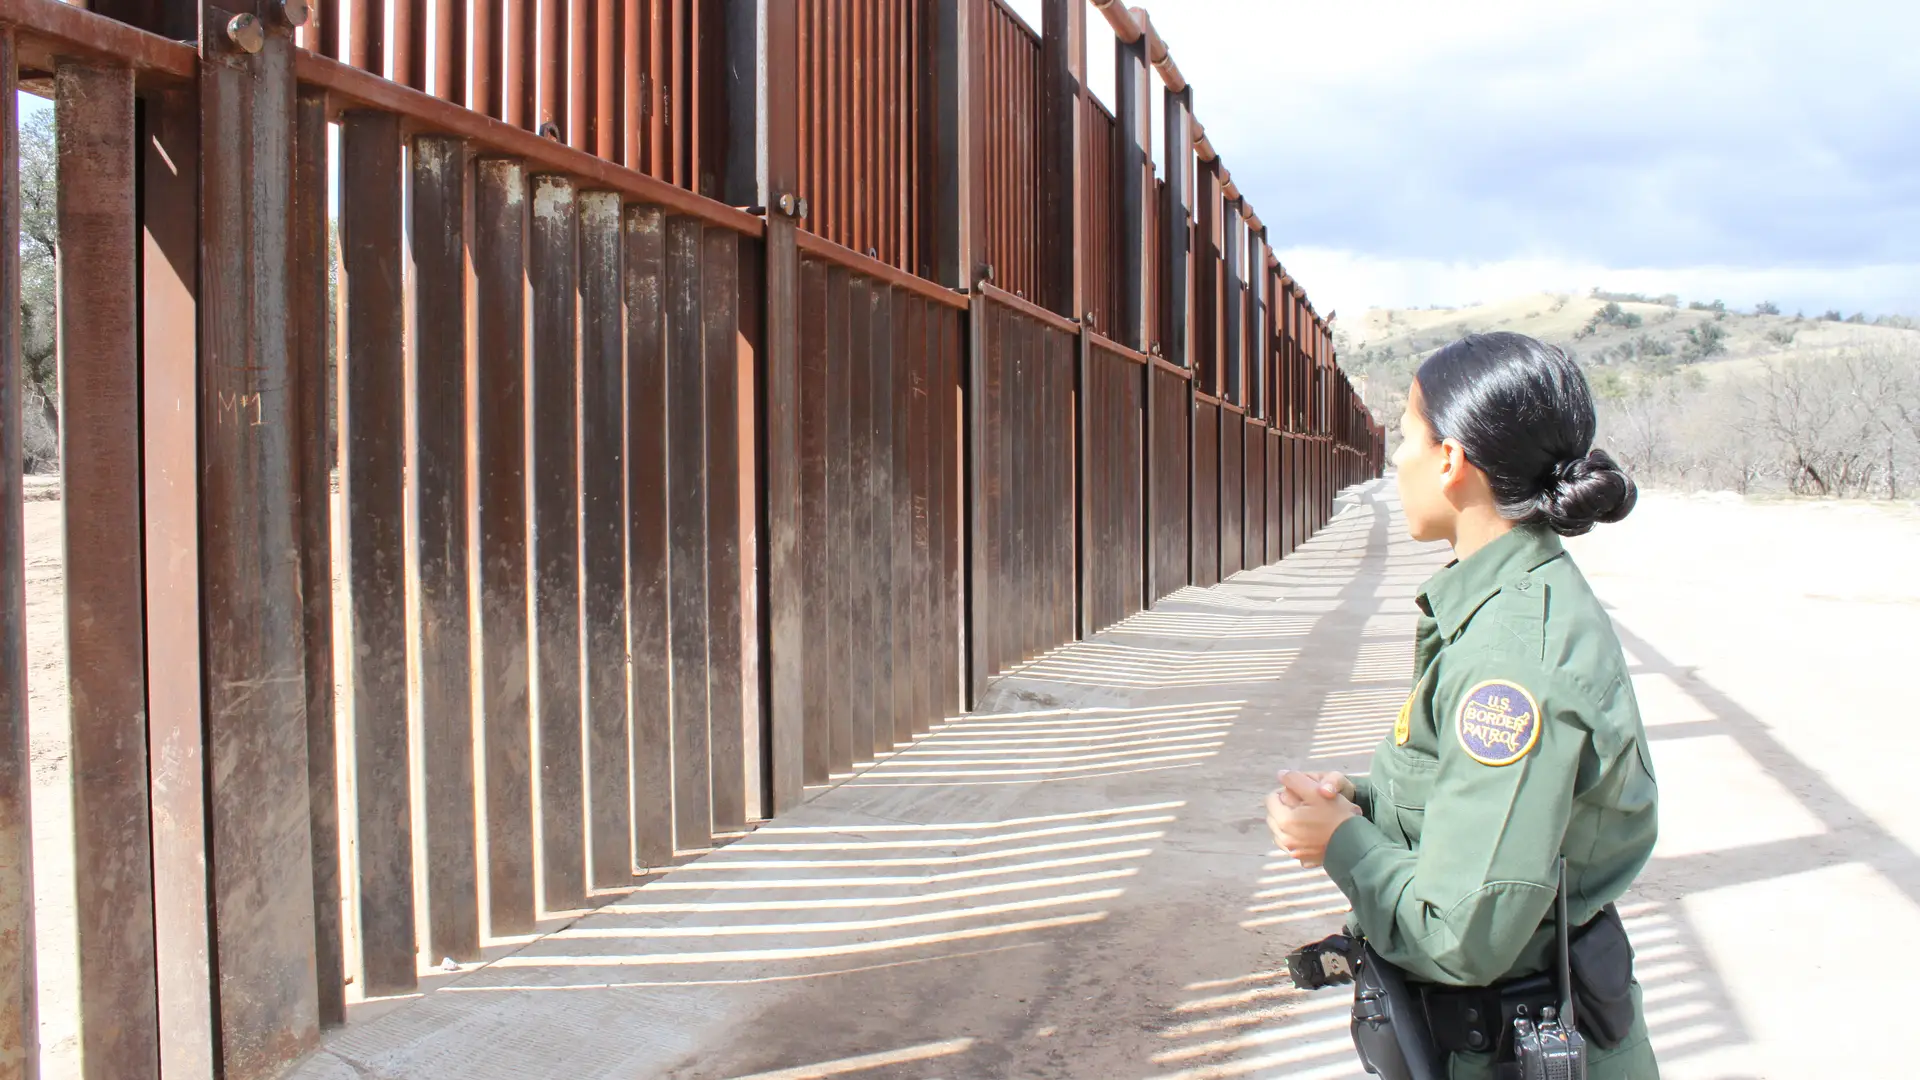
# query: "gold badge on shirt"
1403 727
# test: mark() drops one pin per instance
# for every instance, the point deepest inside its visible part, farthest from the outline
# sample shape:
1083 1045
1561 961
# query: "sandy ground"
1075 883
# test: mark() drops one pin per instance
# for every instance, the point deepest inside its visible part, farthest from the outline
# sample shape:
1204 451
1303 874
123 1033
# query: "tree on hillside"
1766 307
39 314
1703 341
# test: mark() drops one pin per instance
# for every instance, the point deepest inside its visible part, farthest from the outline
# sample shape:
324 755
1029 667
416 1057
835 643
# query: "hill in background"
1696 394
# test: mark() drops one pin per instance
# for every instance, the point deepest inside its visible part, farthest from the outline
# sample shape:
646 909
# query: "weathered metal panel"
909 312
176 735
552 273
838 551
786 557
1233 451
373 426
603 541
500 274
687 622
1206 493
100 479
860 668
441 170
813 516
253 629
885 643
727 562
650 687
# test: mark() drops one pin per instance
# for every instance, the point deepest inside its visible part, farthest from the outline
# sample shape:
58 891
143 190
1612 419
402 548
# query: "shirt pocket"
1412 785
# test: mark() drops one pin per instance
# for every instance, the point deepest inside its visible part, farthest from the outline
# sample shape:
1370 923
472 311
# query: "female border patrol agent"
1521 743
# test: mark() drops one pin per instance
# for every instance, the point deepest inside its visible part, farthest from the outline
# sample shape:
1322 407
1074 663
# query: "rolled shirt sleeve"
1461 907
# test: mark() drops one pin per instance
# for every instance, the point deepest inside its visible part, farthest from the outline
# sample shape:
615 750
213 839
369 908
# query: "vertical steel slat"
839 518
687 620
633 83
651 684
603 540
176 736
727 559
884 643
19 995
516 85
813 447
552 272
481 92
608 129
920 431
313 338
500 274
659 88
951 699
252 631
749 494
859 673
439 342
373 428
547 61
577 38
900 515
678 103
105 639
786 558
400 47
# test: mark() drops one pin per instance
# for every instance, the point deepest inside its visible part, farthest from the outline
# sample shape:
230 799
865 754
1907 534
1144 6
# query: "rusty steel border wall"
661 408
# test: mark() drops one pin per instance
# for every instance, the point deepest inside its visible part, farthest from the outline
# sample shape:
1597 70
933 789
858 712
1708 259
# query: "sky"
1407 154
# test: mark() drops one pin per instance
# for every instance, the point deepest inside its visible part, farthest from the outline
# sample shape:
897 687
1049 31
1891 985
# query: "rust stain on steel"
440 169
650 687
250 571
499 267
552 272
100 409
176 739
373 428
19 1019
603 476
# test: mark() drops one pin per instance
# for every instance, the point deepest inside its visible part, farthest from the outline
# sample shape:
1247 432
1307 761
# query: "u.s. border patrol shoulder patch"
1498 722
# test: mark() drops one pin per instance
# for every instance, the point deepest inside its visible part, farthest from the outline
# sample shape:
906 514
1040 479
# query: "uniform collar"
1451 596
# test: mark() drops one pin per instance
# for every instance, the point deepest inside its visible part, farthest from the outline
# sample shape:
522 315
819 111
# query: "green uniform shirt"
1521 742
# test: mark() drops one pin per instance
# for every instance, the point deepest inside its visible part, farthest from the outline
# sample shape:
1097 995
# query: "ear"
1453 465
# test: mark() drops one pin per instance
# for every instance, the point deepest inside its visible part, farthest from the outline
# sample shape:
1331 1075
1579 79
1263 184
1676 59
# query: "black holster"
1390 1028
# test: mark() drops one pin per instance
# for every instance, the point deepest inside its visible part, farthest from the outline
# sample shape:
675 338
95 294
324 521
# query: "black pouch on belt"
1602 962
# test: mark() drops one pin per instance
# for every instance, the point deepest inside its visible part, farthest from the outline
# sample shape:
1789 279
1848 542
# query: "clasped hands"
1305 811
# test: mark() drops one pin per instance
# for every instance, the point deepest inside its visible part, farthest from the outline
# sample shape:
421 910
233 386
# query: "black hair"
1524 414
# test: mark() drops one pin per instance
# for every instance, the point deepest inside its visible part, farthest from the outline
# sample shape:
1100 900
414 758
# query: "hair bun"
1586 491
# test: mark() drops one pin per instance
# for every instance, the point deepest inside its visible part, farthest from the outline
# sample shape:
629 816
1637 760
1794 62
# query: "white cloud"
1350 282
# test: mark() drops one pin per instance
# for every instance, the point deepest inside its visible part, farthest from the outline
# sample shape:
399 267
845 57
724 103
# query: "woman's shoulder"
1549 623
